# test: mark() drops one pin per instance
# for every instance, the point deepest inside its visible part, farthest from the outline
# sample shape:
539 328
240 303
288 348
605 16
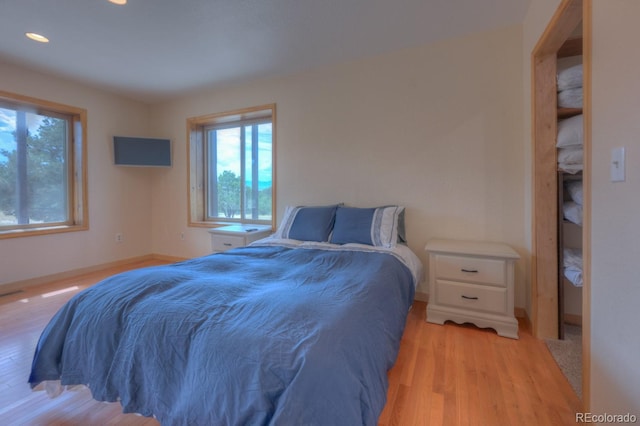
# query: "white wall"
436 128
615 282
119 198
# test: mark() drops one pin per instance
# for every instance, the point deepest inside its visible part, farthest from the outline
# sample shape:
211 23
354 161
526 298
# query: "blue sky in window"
265 147
228 153
7 126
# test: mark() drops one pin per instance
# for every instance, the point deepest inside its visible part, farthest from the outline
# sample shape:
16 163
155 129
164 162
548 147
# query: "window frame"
76 190
197 161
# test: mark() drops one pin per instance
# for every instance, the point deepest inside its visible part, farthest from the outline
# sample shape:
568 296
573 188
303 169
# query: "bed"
284 331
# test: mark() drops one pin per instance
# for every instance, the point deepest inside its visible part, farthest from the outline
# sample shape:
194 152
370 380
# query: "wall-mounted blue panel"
141 151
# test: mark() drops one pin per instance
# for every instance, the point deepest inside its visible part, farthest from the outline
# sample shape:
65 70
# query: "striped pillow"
373 226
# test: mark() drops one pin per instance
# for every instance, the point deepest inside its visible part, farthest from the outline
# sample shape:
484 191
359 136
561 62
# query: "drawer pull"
473 271
227 244
469 298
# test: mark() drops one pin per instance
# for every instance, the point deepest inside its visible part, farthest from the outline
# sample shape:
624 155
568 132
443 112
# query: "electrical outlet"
182 236
119 237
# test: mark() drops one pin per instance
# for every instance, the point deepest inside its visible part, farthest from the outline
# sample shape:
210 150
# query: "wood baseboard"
522 314
31 282
167 258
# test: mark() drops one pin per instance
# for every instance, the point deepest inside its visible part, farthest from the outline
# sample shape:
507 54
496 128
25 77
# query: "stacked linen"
570 156
570 144
569 81
572 208
572 263
570 132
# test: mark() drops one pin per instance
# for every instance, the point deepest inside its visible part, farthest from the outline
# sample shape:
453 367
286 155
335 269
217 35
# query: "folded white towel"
570 155
570 98
570 78
574 188
572 258
572 212
570 168
574 276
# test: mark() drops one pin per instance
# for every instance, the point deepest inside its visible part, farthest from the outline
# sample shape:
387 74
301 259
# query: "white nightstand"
472 282
232 236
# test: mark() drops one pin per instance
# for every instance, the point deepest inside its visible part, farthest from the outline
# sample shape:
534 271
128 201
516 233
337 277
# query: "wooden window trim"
196 164
79 217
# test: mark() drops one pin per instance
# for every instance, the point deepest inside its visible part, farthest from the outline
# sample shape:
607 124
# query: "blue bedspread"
252 336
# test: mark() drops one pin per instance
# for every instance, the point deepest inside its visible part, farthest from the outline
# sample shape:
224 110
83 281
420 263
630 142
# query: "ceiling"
153 50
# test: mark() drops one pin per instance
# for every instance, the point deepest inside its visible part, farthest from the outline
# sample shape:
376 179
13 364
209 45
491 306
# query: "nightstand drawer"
471 269
222 242
469 296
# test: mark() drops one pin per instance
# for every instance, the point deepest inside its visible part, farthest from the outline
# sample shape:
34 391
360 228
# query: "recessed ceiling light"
121 2
37 37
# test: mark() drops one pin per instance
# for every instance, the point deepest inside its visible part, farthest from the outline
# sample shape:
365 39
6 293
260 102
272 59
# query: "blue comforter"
253 336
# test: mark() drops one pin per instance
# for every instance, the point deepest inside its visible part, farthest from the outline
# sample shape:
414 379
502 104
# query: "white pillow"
570 131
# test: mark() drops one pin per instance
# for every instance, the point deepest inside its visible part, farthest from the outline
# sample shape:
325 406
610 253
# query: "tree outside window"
41 167
33 175
231 157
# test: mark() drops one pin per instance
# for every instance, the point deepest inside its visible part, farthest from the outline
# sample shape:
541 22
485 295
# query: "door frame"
544 260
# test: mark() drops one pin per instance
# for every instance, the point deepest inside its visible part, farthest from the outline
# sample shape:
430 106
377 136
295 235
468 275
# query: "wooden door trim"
544 259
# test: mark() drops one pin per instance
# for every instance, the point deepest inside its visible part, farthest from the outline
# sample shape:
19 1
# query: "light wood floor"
444 375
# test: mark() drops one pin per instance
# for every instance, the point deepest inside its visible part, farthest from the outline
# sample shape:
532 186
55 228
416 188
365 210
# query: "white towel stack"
570 86
572 209
570 144
570 130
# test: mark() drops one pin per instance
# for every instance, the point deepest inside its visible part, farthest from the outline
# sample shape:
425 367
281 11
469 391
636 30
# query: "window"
42 173
231 157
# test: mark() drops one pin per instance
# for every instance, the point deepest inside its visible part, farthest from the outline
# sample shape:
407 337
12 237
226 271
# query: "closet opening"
561 147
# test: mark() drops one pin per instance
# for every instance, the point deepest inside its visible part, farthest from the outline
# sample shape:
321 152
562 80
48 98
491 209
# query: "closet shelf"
568 112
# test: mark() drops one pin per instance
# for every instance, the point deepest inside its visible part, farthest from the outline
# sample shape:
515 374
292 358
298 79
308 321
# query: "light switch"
617 165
